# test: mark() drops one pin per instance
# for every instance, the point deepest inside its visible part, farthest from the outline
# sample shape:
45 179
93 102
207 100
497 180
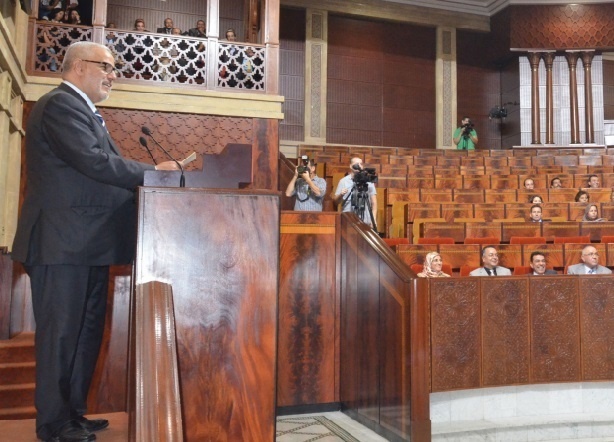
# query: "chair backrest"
465 270
522 270
446 268
441 240
607 239
482 241
527 240
572 239
395 241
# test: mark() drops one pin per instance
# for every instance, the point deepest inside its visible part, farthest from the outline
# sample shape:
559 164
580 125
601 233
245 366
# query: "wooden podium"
219 250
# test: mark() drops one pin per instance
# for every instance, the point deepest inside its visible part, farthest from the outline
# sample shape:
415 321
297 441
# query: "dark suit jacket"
164 31
194 32
79 206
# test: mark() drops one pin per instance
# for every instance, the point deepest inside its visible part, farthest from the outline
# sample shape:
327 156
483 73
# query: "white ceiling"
488 7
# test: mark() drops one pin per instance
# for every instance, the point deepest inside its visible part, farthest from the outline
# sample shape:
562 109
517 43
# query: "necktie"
591 272
494 271
101 119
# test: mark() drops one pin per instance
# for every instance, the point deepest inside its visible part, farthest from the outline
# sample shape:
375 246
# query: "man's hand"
167 165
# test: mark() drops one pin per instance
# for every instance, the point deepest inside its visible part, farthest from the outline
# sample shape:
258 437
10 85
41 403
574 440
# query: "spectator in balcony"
176 31
168 27
57 16
73 17
593 182
582 197
538 264
490 260
591 214
536 199
139 25
199 31
529 184
45 8
432 267
231 35
590 264
555 183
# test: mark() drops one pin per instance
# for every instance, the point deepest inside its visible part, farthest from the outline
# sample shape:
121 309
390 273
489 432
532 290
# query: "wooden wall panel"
381 89
292 25
597 322
308 296
456 335
555 330
505 331
562 26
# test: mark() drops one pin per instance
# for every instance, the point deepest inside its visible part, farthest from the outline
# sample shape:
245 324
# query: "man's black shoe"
71 431
92 425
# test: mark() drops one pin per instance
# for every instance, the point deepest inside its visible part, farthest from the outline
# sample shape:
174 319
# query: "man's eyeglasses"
106 67
592 254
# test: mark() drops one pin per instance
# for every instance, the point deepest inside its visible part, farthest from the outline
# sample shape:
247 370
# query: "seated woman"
73 17
591 214
535 199
582 197
432 267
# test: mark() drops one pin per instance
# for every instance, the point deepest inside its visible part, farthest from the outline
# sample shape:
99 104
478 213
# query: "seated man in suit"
168 27
199 31
490 259
590 264
538 264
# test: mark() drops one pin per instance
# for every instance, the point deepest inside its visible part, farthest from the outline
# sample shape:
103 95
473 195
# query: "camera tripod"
360 201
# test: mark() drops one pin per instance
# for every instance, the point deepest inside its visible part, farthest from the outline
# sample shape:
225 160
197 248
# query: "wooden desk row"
503 231
426 195
558 256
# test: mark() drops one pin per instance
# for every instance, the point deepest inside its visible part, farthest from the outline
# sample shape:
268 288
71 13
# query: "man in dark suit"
168 27
538 264
199 31
77 218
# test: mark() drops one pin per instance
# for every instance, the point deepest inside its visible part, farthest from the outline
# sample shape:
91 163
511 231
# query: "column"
572 61
271 42
534 58
587 60
445 88
549 62
213 32
316 55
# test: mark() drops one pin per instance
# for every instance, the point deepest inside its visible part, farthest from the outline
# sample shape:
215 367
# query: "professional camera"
305 166
363 177
467 128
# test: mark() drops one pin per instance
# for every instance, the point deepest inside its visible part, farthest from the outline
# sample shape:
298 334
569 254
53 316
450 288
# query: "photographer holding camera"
308 188
465 137
353 186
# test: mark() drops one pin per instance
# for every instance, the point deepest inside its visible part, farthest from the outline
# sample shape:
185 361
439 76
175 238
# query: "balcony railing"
149 57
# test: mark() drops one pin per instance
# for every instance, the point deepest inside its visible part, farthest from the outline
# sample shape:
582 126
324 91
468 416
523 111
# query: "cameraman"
346 184
465 136
308 188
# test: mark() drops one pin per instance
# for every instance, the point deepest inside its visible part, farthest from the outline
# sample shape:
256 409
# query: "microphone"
143 142
147 132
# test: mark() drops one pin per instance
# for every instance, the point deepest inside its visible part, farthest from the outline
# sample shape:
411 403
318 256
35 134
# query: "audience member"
346 186
45 8
231 35
590 264
199 31
168 27
57 16
536 213
432 267
555 183
538 264
529 184
73 17
582 197
535 199
591 214
139 25
593 182
490 259
465 137
308 188
176 31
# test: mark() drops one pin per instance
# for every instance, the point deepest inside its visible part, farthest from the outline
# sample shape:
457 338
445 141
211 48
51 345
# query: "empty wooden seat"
423 210
510 255
607 180
566 160
527 240
476 182
393 169
391 242
445 229
458 255
482 241
468 195
596 230
392 182
456 210
489 212
404 195
552 230
509 229
500 195
438 240
519 161
561 195
589 160
401 160
448 161
572 239
448 181
428 195
479 230
425 160
542 160
607 211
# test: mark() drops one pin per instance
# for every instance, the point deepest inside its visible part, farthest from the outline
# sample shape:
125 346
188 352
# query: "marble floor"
323 427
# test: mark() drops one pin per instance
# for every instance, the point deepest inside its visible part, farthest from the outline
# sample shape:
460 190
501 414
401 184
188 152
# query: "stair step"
17 413
18 349
18 395
17 373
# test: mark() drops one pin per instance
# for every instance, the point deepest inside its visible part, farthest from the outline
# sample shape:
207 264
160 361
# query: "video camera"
467 128
363 177
305 166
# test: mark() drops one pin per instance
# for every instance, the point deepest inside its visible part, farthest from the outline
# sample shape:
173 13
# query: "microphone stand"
147 132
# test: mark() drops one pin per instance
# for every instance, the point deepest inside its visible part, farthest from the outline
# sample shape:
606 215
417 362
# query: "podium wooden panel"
219 250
